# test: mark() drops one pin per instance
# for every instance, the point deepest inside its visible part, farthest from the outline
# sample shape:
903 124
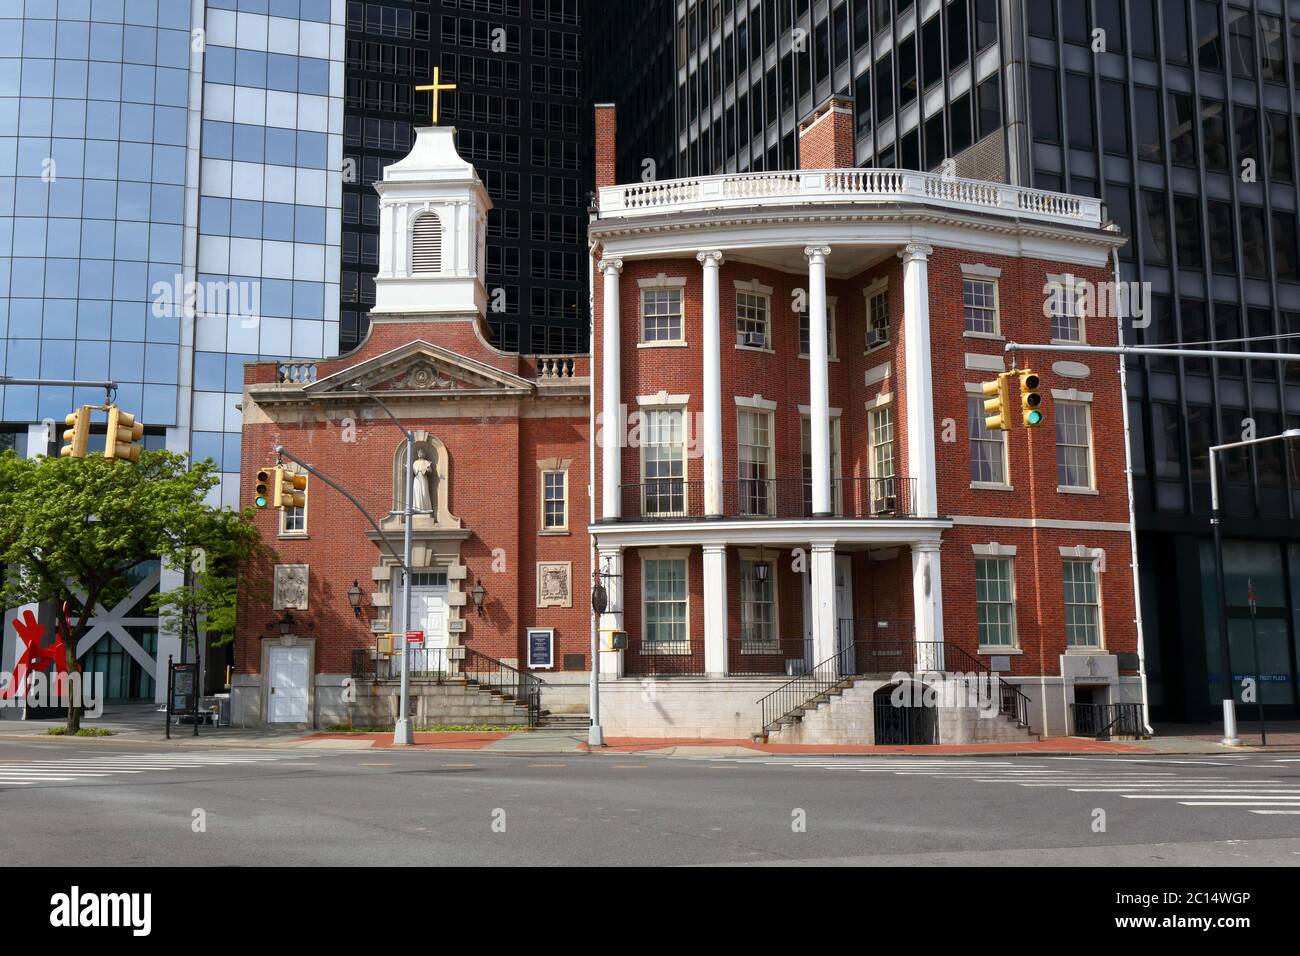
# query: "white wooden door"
288 667
844 609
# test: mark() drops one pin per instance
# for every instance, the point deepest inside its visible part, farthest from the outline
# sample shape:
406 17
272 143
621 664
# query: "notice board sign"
541 648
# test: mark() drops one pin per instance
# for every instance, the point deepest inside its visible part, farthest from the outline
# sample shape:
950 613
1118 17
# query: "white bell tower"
432 231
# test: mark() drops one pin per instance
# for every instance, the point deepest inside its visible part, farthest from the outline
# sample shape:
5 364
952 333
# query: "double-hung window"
988 449
753 320
884 493
1082 604
754 460
1063 302
980 302
664 606
995 602
757 608
1073 445
877 319
661 315
664 463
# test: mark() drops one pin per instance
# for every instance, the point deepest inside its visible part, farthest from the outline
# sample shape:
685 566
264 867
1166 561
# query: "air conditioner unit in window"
877 337
754 340
885 505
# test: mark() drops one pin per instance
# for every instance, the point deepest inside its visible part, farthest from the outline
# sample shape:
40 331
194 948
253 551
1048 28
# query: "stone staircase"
846 713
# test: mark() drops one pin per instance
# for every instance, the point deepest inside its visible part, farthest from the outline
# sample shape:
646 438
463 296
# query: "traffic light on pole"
292 489
997 403
123 434
1030 399
78 435
262 490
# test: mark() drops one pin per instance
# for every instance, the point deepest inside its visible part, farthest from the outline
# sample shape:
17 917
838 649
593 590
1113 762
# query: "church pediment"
421 368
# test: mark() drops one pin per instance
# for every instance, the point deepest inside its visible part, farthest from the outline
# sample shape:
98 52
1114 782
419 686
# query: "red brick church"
776 451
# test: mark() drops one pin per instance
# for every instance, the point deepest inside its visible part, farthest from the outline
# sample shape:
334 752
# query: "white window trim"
878 287
877 374
654 285
764 292
668 554
996 335
832 353
974 390
668 406
998 553
970 270
1083 399
751 556
871 441
663 400
1073 284
545 468
1091 554
758 406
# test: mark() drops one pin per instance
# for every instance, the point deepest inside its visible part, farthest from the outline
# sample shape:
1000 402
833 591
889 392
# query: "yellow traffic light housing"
77 435
262 490
292 489
124 433
997 403
1031 401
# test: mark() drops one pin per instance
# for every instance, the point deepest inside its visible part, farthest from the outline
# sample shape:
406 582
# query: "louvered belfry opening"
426 244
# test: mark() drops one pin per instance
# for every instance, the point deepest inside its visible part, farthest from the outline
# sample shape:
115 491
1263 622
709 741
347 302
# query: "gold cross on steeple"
436 88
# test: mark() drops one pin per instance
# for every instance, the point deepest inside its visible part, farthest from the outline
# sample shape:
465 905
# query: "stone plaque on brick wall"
290 593
553 584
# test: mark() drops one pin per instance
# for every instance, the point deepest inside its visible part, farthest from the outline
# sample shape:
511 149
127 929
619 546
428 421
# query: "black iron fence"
1104 721
676 499
671 660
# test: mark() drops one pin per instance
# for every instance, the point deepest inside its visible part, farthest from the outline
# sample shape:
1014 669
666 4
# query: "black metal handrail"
676 499
509 682
861 658
423 664
794 695
1104 721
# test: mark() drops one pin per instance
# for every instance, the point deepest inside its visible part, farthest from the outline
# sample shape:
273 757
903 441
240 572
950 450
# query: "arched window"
426 244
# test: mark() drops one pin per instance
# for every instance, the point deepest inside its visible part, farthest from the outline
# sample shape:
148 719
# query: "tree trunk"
70 667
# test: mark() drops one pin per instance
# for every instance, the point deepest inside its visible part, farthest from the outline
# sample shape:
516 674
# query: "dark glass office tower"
1182 116
521 119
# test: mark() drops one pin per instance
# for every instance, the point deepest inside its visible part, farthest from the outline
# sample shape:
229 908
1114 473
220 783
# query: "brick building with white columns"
798 479
776 454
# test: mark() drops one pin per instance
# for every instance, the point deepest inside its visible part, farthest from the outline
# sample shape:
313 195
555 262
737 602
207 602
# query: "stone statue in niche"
422 483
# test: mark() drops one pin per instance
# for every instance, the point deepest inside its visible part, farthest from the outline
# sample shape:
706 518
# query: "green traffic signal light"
262 490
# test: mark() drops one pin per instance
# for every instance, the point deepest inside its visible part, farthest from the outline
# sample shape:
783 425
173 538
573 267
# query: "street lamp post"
1216 520
402 733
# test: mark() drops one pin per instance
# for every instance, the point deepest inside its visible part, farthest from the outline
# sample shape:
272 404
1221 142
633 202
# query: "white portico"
811 227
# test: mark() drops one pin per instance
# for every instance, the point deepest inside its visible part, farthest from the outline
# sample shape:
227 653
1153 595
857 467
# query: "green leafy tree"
74 529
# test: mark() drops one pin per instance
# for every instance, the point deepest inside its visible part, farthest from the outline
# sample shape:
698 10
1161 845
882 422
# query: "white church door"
429 614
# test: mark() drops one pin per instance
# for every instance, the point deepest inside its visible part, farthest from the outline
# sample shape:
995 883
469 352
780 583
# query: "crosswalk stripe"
1238 803
1277 812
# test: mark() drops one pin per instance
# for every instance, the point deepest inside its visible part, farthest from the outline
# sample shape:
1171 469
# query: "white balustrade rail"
840 186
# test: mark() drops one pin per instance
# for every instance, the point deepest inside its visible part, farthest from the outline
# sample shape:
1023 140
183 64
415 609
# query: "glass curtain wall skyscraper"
1183 117
170 208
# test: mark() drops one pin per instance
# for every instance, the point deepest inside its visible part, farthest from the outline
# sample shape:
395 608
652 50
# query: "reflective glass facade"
93 135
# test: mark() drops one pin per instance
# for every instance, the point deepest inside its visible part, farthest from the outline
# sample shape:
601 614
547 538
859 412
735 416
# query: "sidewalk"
142 724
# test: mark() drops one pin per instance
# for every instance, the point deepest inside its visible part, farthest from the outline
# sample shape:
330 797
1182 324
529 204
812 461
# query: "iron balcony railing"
677 659
676 499
1104 721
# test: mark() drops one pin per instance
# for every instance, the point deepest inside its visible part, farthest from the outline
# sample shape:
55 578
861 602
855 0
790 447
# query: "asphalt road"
66 803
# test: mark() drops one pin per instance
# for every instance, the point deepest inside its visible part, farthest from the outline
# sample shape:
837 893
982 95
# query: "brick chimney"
826 137
606 145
